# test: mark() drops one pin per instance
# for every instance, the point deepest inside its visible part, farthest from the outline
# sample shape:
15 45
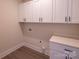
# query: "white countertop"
66 41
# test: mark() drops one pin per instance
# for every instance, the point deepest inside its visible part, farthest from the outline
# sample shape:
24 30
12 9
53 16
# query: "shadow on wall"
34 33
45 31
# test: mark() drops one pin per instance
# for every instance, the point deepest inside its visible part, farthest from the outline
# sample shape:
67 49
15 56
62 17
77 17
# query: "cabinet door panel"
46 10
28 7
75 11
36 11
60 8
57 55
21 12
32 11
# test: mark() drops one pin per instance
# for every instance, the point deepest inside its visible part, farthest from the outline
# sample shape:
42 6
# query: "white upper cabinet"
60 11
31 11
28 7
74 11
46 10
21 13
50 11
66 11
37 11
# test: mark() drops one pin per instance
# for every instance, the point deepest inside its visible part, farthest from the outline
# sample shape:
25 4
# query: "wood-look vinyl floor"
26 53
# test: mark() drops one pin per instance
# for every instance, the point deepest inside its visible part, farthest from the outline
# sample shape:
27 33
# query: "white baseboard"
10 50
36 48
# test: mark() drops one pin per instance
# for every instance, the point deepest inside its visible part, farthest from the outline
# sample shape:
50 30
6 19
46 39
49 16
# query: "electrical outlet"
40 41
30 29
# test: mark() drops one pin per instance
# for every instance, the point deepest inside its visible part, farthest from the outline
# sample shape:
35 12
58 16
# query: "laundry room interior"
39 29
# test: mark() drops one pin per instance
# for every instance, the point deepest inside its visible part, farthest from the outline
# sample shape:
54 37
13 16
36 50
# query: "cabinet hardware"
24 19
69 18
68 50
65 19
66 57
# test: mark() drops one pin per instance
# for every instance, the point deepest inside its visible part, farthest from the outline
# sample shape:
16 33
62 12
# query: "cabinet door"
75 57
28 8
74 54
74 11
32 11
57 55
46 10
21 12
60 8
36 11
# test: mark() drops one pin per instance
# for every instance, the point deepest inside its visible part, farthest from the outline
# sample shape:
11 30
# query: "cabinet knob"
24 19
65 19
68 50
66 57
69 18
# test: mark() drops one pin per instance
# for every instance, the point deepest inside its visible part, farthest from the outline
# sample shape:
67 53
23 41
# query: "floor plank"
26 53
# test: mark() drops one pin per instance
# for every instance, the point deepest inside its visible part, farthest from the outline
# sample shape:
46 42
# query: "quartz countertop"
65 40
